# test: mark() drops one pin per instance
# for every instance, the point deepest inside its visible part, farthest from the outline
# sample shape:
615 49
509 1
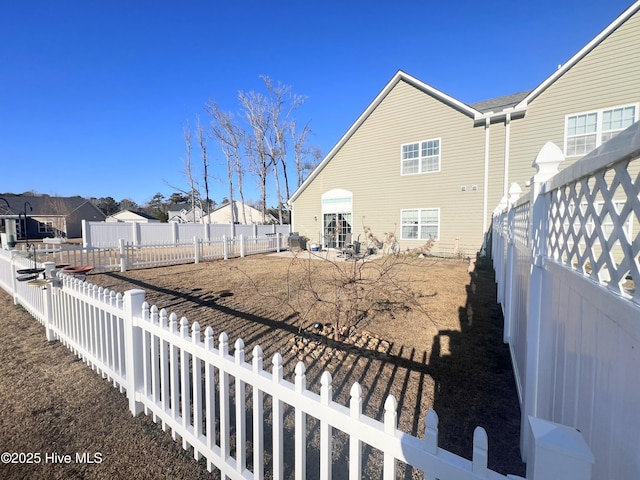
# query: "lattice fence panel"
521 230
594 226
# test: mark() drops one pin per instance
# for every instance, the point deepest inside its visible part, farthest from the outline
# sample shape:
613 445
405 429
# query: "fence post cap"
504 201
560 439
134 299
547 161
514 193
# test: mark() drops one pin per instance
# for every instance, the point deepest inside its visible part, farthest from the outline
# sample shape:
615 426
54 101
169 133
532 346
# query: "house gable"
407 79
602 75
368 163
131 216
483 147
222 214
588 48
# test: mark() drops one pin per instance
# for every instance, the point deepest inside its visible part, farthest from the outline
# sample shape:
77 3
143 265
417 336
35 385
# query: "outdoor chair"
350 250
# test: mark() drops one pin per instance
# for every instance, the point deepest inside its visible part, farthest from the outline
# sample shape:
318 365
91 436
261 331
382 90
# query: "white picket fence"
127 255
566 262
246 422
108 234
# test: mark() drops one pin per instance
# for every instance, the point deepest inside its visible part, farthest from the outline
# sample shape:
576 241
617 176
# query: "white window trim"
599 112
402 237
439 139
45 226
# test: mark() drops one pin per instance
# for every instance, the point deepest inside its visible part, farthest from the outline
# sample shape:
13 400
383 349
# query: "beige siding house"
418 162
131 216
241 212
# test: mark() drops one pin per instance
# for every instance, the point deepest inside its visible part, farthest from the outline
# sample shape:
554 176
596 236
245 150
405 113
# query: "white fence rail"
246 422
566 262
108 234
127 255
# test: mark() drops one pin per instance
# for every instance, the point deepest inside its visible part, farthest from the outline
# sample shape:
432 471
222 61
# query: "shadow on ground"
474 381
468 369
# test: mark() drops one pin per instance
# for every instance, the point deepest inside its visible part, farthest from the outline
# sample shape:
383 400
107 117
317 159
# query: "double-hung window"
45 227
421 157
420 223
587 131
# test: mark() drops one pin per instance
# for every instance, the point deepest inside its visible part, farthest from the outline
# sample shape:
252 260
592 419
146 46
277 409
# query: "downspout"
507 137
485 195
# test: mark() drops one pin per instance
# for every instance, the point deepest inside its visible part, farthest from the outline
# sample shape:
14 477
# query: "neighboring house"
131 216
183 213
418 162
45 216
251 215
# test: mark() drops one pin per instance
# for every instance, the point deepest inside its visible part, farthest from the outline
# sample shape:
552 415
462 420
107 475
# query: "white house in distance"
131 216
242 214
183 213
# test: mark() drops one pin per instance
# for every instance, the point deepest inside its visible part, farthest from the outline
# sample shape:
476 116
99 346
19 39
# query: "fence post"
514 195
47 304
133 301
174 232
546 163
557 452
499 252
242 253
225 248
123 255
196 250
278 242
14 278
136 233
86 235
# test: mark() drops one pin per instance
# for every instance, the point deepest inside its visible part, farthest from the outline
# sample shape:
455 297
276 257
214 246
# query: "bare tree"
257 143
282 103
188 170
261 148
202 140
269 118
128 204
229 136
301 152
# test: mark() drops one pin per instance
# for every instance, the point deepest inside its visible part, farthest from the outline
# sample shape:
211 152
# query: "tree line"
263 140
158 206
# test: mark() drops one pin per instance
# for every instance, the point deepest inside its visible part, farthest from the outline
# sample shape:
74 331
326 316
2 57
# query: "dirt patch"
440 347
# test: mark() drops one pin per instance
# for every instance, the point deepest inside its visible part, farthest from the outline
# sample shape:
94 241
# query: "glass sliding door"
337 208
337 229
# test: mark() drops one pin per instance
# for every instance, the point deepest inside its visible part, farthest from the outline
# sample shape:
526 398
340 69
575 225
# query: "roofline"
628 13
83 204
514 112
399 76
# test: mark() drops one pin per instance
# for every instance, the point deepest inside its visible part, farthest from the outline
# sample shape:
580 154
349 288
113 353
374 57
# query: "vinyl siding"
607 76
497 133
368 165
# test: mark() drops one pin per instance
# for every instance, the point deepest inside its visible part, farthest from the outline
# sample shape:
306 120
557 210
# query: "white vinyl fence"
566 262
126 255
108 234
246 421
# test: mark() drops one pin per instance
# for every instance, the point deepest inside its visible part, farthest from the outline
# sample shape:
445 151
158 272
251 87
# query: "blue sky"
94 95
